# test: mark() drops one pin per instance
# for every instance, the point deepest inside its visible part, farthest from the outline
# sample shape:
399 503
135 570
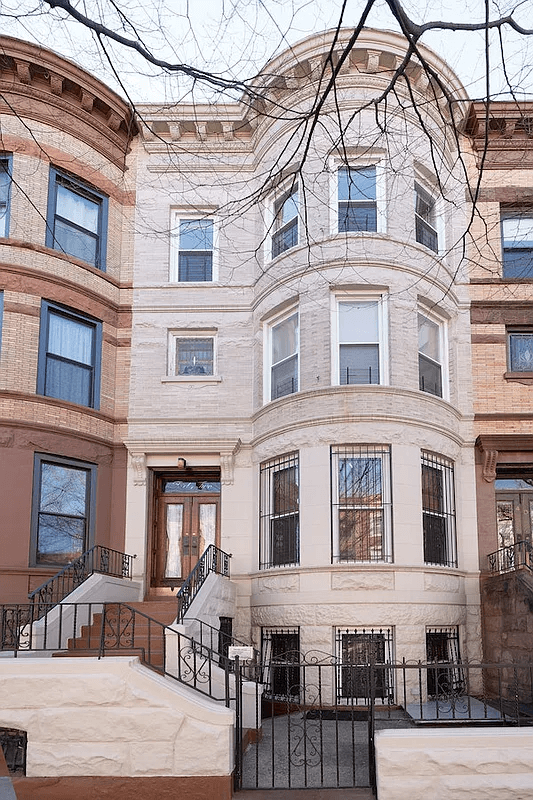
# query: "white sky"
236 38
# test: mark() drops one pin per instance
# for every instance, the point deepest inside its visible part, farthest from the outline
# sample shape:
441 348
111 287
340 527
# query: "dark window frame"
6 166
442 648
362 657
90 502
361 544
512 365
438 510
48 308
280 657
279 543
426 232
77 187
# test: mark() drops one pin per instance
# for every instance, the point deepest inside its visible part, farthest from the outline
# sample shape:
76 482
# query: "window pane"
432 489
428 338
358 322
5 182
194 356
286 209
196 234
77 208
425 206
60 539
63 490
74 242
358 364
279 521
285 491
357 217
284 378
195 266
360 480
521 352
285 238
429 376
357 184
518 231
284 339
67 381
70 338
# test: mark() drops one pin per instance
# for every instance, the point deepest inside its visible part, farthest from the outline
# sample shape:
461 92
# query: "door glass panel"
208 523
505 517
174 529
191 487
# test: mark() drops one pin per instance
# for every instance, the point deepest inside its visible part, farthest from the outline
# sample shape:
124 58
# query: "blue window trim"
90 502
46 308
87 191
7 158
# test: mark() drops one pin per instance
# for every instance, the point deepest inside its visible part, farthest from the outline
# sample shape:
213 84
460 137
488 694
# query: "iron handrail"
212 560
511 557
100 559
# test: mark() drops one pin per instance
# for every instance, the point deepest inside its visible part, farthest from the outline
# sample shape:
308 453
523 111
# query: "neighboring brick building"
66 211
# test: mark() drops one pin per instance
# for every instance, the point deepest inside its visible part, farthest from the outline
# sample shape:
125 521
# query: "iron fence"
212 560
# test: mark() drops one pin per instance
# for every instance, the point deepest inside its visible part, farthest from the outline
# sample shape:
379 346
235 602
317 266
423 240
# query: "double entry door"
187 522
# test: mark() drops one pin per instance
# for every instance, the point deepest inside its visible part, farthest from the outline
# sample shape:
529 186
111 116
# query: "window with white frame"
362 506
285 224
5 193
64 498
70 352
362 656
438 510
282 368
194 245
357 198
517 241
279 512
431 354
444 679
426 219
77 219
520 351
360 349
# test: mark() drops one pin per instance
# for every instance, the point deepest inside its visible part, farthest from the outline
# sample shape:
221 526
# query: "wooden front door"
187 522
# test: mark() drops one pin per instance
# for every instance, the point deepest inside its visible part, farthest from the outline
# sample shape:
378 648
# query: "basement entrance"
186 521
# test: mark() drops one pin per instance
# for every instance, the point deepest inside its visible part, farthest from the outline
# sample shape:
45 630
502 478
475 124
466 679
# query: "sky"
237 37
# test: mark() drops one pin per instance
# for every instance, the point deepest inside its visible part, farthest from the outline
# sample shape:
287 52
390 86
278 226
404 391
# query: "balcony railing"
212 560
99 559
511 557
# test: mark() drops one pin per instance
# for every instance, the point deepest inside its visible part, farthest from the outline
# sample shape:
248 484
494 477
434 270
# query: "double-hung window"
195 239
283 346
280 520
285 226
438 510
357 199
5 193
70 347
426 219
517 242
360 355
362 508
64 493
77 219
520 352
362 657
431 355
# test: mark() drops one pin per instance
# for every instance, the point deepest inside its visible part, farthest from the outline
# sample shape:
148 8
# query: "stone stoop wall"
507 616
113 728
462 764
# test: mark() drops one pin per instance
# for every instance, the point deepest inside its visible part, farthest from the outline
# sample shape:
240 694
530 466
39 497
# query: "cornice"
38 84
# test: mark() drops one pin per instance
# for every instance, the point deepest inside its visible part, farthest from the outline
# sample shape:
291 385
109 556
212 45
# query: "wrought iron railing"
99 559
213 560
511 557
112 629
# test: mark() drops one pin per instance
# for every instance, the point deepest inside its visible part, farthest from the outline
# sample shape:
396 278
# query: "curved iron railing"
511 557
212 560
99 559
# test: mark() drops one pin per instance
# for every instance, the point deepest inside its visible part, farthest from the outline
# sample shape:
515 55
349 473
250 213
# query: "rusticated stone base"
100 788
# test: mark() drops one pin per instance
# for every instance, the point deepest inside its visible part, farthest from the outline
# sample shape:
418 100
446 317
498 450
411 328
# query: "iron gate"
311 729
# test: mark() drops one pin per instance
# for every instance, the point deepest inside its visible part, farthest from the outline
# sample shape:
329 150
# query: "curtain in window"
77 209
174 529
69 363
